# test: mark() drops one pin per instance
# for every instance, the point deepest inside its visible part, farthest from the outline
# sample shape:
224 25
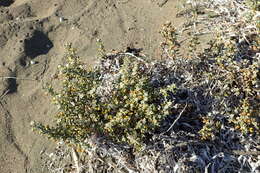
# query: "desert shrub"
235 71
236 78
192 111
122 105
226 71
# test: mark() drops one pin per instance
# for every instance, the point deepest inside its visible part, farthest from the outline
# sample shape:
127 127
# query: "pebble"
61 19
32 62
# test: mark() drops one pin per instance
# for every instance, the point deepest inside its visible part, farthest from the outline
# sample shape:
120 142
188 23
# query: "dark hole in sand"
12 85
6 3
38 44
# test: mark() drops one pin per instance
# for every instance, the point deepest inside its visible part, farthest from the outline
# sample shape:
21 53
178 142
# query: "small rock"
61 19
32 62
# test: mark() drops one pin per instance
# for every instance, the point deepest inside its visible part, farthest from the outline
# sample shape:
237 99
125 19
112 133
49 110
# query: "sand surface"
32 38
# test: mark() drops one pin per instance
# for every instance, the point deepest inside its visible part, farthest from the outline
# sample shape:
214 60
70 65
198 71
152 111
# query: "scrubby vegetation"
187 112
117 100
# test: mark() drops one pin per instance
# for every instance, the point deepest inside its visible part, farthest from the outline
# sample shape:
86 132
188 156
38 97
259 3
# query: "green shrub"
235 70
124 107
207 92
224 76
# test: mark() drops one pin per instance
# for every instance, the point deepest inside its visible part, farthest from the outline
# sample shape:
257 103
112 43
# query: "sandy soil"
32 38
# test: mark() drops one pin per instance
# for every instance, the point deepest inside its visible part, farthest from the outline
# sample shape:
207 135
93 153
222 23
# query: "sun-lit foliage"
127 113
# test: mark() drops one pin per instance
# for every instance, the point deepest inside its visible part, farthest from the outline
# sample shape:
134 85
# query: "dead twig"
175 121
162 3
76 160
4 94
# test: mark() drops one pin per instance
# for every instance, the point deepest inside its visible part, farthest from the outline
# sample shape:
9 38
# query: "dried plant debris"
194 138
207 101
